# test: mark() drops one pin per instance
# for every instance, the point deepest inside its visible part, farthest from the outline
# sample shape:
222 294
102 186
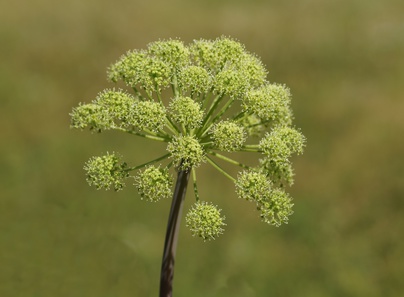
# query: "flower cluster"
204 220
201 99
274 203
186 151
186 112
228 136
106 172
154 183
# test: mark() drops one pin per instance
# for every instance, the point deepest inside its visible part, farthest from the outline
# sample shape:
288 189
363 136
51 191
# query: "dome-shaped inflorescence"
207 100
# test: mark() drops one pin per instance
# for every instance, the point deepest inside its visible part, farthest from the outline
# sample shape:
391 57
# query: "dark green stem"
147 163
170 245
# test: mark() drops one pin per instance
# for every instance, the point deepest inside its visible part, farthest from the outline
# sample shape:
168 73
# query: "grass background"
343 60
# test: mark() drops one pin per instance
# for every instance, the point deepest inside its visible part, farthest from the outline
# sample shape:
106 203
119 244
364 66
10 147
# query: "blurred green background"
344 62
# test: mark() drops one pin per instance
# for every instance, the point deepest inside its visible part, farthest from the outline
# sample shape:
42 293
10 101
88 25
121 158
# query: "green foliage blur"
344 62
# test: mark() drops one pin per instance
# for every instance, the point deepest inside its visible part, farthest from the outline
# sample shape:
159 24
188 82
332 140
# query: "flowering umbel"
201 99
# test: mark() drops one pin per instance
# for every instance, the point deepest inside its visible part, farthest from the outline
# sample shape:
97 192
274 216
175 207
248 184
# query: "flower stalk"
173 225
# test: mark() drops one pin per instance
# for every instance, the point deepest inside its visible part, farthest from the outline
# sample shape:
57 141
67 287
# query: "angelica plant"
204 101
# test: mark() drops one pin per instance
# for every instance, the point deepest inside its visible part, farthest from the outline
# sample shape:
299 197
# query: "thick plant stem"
170 245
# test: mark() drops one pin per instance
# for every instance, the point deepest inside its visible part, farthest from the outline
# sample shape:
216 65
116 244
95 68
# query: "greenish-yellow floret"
231 82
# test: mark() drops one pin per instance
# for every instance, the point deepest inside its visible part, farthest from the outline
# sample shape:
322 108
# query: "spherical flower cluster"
118 104
106 172
186 151
148 115
129 68
154 183
194 79
293 138
270 102
204 100
92 116
282 142
233 68
252 185
275 205
214 55
186 112
157 75
232 82
254 70
204 220
228 136
274 147
111 109
276 208
142 68
279 172
173 52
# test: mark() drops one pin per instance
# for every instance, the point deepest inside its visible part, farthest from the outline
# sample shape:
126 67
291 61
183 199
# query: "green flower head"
194 79
253 185
186 151
147 115
204 220
208 101
279 172
270 102
154 183
130 68
282 142
92 116
277 208
172 52
106 172
186 112
117 104
228 136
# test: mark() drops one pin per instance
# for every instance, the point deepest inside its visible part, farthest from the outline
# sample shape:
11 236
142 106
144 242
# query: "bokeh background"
344 62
